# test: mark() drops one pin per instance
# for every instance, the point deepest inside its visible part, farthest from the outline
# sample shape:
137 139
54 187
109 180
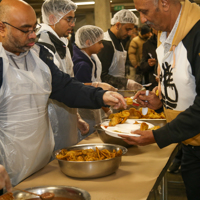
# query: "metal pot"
91 169
72 193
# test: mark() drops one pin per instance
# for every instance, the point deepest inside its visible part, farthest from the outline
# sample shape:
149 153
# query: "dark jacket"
65 89
149 47
82 66
106 57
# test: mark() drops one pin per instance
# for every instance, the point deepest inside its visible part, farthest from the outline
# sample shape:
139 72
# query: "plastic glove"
82 125
114 99
4 179
132 85
104 86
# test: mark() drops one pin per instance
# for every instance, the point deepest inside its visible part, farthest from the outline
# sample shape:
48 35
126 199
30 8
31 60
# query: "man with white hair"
113 56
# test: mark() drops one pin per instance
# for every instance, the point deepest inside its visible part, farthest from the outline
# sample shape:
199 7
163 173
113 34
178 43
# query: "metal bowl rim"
124 151
59 187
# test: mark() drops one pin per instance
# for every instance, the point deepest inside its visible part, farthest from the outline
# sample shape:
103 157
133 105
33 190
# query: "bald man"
178 56
28 77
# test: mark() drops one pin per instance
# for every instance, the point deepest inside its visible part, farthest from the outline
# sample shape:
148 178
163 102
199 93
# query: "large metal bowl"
67 192
91 169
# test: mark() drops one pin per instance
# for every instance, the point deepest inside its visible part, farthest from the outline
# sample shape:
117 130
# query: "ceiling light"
133 9
85 3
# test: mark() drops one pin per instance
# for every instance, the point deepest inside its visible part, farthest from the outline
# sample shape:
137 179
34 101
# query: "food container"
67 192
91 169
109 139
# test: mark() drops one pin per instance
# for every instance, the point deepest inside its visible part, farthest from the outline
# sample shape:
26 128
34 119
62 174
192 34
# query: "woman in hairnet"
87 67
59 19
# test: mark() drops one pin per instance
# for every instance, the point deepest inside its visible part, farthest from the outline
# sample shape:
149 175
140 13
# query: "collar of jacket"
190 15
59 45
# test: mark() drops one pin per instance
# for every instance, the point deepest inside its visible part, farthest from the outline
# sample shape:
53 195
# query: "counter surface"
134 179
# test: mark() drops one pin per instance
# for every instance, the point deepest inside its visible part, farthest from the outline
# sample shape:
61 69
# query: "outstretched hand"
151 101
145 138
114 99
4 179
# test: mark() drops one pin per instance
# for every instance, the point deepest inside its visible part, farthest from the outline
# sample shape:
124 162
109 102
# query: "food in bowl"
87 154
91 169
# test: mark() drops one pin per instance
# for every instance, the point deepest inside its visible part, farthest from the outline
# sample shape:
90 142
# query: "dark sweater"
82 66
65 89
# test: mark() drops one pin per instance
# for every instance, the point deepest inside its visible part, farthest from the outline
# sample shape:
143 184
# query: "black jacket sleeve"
70 91
106 57
187 124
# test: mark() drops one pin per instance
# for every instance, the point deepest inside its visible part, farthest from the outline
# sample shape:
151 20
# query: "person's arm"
4 179
82 72
144 65
75 94
132 50
106 57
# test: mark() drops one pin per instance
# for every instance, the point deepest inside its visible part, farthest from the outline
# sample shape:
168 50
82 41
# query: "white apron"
63 119
26 143
117 68
92 116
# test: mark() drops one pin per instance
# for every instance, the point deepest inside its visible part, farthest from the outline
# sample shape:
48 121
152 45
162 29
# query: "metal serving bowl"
67 192
91 169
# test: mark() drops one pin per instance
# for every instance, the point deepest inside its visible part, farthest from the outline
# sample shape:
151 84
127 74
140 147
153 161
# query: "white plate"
123 129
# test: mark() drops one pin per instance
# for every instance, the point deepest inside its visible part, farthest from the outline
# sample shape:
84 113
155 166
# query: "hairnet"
57 8
124 16
92 33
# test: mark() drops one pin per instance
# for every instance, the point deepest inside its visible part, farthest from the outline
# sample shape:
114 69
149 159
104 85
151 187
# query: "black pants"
190 170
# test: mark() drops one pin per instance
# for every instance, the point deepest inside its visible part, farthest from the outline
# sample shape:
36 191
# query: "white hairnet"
92 33
124 16
57 8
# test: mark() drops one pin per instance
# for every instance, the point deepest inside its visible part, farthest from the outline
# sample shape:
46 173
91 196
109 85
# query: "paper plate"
123 129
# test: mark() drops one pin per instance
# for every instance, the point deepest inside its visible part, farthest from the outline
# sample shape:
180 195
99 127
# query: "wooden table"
141 169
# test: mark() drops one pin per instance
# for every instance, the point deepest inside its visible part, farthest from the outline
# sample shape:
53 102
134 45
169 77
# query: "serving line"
142 168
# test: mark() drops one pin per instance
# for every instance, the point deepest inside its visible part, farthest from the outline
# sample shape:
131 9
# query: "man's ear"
165 5
118 25
2 29
88 43
52 19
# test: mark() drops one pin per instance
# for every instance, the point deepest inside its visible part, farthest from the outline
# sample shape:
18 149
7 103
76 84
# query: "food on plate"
144 126
118 118
87 154
154 128
136 122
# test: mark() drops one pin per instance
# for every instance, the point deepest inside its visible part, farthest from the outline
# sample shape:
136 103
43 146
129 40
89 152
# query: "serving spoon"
44 196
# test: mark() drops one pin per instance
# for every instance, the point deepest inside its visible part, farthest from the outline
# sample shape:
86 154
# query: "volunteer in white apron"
64 120
23 112
87 67
113 56
117 67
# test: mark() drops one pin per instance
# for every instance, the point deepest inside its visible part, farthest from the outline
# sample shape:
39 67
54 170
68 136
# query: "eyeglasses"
28 32
70 20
